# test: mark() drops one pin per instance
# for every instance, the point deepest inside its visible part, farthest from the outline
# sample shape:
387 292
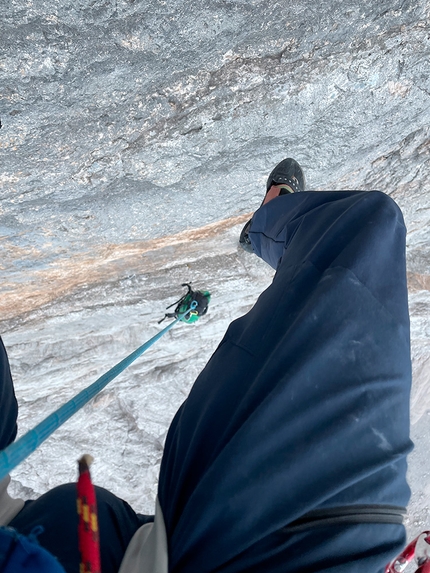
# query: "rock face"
129 120
125 126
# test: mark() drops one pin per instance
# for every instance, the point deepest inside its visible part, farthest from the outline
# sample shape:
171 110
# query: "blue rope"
17 452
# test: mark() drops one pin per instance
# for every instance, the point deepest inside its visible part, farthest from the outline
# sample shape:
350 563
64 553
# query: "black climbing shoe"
289 175
287 172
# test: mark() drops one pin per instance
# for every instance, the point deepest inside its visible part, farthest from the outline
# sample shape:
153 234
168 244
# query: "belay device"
202 299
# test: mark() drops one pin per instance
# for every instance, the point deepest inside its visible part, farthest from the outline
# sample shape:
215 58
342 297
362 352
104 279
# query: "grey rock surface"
126 125
132 120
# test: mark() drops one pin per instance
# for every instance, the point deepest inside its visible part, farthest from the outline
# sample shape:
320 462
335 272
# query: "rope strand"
18 451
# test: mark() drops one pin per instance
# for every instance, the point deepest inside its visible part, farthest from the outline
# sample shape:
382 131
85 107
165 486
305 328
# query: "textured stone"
121 118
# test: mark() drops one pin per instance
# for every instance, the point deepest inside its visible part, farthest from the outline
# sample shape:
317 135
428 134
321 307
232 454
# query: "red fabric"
88 531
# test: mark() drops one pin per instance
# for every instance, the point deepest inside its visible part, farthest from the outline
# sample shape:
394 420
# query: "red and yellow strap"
88 529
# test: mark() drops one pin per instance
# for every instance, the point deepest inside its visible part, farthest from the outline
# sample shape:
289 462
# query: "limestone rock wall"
127 126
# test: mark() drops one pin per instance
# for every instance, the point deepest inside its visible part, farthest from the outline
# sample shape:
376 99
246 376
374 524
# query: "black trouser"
303 410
